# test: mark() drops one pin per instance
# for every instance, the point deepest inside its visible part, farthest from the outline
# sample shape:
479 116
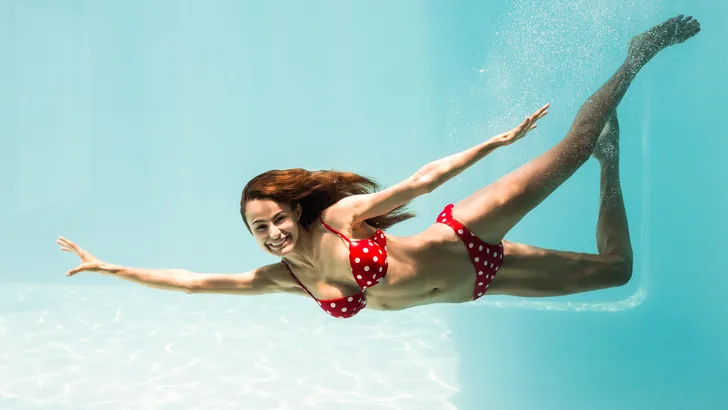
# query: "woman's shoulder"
339 217
278 273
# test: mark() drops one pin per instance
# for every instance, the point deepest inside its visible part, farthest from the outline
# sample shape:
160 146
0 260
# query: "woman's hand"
89 262
526 126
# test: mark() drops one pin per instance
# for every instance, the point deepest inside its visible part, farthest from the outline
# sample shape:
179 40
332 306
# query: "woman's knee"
618 271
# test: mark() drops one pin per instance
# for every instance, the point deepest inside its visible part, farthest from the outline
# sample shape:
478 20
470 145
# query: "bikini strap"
296 279
333 230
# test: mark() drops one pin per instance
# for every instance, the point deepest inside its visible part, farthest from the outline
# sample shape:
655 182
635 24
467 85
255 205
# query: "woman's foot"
676 30
607 148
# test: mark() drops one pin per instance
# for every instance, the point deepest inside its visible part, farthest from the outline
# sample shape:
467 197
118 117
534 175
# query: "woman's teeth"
280 243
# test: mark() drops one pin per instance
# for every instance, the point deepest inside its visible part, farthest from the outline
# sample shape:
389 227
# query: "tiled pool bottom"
124 348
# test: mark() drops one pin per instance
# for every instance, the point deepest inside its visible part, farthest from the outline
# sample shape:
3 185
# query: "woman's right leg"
612 227
492 211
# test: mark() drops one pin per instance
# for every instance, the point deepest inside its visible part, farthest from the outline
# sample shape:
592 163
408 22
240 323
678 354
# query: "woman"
328 227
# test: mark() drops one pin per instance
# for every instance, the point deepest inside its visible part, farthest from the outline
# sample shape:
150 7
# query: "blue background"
131 128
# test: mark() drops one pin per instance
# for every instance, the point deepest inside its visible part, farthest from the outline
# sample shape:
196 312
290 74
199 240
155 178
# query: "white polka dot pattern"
368 260
345 307
486 258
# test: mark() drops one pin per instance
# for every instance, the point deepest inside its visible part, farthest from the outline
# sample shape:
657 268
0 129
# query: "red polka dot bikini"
368 260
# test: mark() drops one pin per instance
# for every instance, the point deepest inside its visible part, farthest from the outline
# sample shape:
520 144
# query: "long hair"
315 191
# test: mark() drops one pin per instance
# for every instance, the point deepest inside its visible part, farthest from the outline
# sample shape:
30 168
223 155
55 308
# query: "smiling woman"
328 227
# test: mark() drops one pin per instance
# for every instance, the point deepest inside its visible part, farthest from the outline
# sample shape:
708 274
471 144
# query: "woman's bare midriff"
429 267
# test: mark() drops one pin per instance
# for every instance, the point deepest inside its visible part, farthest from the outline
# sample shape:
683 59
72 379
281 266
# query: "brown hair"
315 191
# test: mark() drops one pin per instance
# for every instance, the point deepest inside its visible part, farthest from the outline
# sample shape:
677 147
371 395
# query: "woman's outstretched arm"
357 208
166 279
440 171
266 279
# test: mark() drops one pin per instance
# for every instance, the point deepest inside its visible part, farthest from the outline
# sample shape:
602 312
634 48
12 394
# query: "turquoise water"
132 127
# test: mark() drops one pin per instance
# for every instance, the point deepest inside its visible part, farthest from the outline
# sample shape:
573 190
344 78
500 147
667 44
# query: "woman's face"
275 226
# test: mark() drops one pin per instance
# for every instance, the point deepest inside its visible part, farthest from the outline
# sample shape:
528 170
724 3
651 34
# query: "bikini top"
368 260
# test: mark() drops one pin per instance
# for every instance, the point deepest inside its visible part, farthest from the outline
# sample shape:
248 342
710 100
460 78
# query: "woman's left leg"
492 211
531 271
528 271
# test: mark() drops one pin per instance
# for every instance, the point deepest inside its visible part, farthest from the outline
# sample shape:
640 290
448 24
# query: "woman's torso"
430 267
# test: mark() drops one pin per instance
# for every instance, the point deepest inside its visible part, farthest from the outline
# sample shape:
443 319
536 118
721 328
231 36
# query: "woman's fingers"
80 268
65 248
68 246
543 109
63 241
540 113
76 270
88 262
528 125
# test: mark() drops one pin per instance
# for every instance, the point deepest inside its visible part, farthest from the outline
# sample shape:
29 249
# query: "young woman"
328 227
